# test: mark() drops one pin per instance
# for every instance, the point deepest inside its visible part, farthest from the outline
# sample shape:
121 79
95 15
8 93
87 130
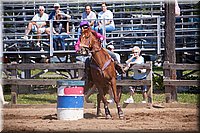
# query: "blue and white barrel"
70 99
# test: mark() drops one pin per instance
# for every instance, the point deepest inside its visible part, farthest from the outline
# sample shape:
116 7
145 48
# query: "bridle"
88 44
94 50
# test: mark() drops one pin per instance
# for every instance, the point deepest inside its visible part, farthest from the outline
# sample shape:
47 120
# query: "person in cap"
56 8
61 28
139 74
37 24
60 31
111 48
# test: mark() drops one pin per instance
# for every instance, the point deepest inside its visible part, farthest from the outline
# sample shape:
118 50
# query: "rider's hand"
78 51
101 38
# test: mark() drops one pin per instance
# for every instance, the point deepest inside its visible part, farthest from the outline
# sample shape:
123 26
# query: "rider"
84 25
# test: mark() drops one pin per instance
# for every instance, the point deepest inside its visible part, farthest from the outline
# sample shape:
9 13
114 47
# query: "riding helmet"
84 23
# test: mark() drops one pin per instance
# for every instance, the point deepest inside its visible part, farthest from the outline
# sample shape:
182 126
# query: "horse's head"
89 40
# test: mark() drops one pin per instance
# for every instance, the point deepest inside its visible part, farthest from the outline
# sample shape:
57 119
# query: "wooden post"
14 90
150 88
170 54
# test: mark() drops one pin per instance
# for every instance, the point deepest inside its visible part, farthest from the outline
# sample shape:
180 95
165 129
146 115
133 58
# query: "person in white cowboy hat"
139 74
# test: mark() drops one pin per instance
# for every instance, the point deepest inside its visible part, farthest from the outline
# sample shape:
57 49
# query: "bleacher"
138 23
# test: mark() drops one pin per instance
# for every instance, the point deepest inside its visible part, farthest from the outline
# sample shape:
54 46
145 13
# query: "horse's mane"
94 33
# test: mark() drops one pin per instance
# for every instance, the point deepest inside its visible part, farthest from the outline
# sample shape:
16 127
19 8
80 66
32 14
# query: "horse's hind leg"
116 98
98 105
107 111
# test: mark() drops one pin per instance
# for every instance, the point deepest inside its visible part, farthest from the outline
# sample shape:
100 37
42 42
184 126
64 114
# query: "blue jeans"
59 39
143 87
112 55
109 28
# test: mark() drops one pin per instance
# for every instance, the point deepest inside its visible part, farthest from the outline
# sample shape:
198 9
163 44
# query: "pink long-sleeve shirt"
77 45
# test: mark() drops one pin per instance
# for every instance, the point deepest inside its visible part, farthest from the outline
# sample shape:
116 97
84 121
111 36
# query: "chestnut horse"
102 71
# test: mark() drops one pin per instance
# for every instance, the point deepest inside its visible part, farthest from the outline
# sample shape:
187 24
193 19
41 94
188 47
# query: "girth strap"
103 68
106 65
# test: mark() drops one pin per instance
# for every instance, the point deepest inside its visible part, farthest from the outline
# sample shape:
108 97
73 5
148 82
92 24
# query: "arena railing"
17 77
169 80
119 9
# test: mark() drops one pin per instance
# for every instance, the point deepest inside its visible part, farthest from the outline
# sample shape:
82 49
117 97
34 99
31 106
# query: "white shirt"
40 19
118 57
108 16
137 74
89 17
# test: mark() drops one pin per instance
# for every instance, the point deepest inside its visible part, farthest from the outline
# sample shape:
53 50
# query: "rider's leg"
87 69
87 76
118 66
112 55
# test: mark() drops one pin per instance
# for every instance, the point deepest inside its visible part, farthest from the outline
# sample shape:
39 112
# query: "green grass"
34 98
48 98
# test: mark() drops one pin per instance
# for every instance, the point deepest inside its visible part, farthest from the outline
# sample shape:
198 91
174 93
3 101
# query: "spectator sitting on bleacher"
56 8
88 15
60 31
108 22
139 74
37 24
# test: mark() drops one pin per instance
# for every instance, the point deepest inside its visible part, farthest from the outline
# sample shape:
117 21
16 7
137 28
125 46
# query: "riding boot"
88 76
119 67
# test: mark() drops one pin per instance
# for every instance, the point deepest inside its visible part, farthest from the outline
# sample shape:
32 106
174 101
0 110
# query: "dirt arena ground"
141 119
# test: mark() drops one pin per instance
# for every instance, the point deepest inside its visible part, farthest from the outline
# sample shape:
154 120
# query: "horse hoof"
99 114
108 117
121 115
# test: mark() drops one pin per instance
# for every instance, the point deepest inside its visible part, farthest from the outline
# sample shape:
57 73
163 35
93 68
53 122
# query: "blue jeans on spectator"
143 87
109 28
59 39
